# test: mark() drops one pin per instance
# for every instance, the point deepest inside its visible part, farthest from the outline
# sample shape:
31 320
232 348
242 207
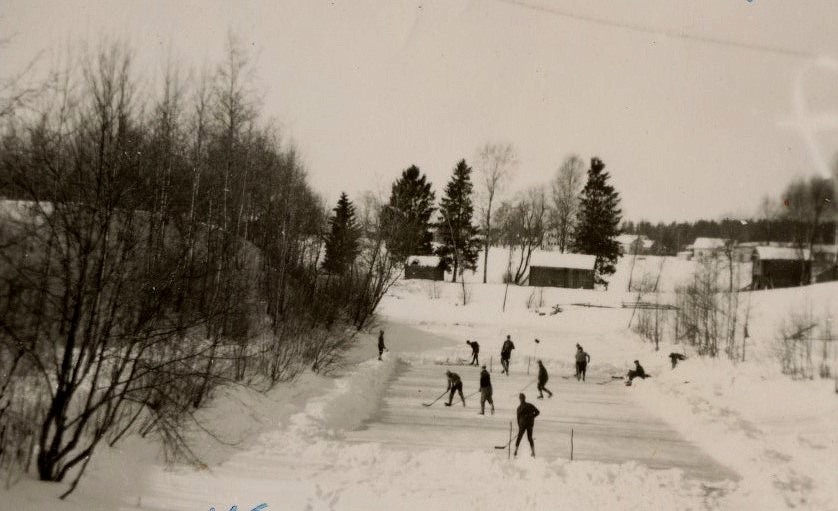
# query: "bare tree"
522 227
495 162
566 186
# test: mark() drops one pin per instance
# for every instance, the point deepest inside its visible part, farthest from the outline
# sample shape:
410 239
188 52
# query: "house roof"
560 260
707 243
785 253
426 260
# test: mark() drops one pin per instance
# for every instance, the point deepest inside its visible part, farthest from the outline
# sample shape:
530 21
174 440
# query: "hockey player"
505 354
455 384
582 359
637 372
485 391
542 381
381 346
526 420
475 350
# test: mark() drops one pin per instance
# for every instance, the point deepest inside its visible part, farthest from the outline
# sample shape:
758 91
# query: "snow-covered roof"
560 260
426 260
786 253
707 243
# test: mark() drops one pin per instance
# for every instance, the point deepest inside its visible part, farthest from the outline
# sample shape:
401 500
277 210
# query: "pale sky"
688 125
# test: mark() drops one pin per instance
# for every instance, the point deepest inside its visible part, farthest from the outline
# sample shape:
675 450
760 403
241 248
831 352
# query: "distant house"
707 248
423 267
638 244
780 267
554 269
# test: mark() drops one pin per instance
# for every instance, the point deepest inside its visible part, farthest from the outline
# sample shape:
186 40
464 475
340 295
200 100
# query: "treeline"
162 241
803 214
674 236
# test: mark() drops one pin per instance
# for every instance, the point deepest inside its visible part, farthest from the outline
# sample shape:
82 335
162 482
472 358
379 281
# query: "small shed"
707 248
780 267
424 267
554 269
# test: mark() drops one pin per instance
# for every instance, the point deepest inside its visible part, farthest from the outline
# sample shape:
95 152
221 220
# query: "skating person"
455 384
542 381
637 372
675 357
505 354
582 359
485 391
475 350
526 420
381 346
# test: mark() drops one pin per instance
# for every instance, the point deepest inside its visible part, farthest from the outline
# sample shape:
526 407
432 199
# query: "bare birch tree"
495 163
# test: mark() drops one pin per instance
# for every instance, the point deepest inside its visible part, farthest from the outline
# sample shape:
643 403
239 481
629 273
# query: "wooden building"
780 267
423 267
554 269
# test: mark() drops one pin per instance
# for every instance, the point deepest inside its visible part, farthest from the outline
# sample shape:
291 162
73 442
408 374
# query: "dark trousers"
528 430
504 362
634 374
542 387
457 388
380 351
474 359
486 395
581 367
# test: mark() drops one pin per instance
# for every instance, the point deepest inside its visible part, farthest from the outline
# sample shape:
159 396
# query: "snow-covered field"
298 447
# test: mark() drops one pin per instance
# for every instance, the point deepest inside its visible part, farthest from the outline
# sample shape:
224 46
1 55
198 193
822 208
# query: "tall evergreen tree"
598 222
406 219
460 246
342 242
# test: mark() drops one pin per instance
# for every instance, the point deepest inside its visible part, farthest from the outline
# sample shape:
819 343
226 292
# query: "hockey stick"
437 399
510 439
613 379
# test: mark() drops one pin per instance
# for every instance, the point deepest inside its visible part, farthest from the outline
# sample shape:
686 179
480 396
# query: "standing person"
455 384
582 359
526 420
542 381
505 354
475 350
485 391
381 346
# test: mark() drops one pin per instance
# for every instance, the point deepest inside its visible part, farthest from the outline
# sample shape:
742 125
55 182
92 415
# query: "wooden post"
509 445
571 444
529 361
490 364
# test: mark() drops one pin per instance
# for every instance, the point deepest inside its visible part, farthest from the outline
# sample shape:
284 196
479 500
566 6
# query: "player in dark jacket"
485 391
475 350
505 354
542 381
582 359
526 420
455 384
381 346
637 372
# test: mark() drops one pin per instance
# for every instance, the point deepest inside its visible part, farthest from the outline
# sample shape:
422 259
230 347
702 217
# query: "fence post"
509 445
571 444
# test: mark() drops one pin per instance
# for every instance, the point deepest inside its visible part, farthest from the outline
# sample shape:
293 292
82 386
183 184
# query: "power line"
661 32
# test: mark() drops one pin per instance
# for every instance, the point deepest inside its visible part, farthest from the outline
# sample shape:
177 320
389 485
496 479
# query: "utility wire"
661 32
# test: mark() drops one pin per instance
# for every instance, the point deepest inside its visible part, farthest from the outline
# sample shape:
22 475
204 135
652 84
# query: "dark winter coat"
381 341
485 379
638 371
506 350
582 356
475 347
542 374
526 415
454 380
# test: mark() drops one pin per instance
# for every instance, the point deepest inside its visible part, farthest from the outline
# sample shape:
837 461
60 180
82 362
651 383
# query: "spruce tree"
406 219
342 241
460 246
598 222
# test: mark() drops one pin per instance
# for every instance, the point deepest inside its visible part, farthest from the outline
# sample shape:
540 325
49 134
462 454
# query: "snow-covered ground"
298 447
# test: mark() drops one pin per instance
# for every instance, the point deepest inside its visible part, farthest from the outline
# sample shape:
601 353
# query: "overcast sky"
693 105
